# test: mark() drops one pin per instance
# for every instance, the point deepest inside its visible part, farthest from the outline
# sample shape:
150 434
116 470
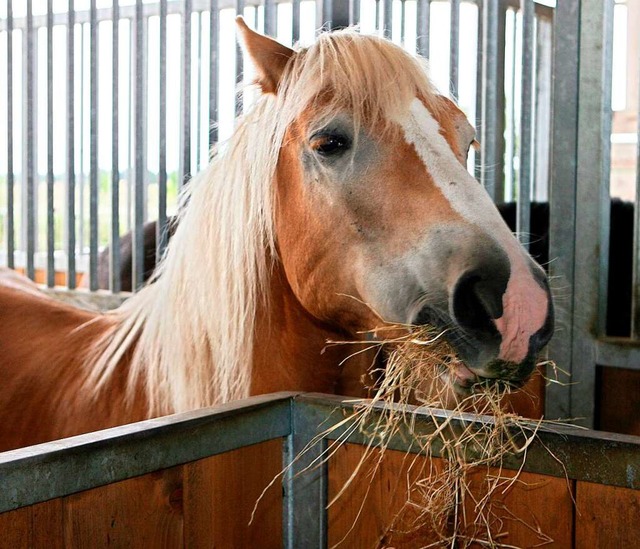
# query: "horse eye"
329 144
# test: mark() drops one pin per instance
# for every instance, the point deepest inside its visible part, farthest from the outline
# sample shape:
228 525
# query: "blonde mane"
190 334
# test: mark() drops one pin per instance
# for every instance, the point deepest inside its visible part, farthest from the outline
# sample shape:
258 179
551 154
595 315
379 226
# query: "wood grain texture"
608 517
378 511
141 512
34 527
528 511
220 493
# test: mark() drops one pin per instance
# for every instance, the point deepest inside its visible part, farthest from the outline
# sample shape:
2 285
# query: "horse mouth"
503 375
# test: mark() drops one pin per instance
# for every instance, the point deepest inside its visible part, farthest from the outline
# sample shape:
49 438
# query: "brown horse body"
341 203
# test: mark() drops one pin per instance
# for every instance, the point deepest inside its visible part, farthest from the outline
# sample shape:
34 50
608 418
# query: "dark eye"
329 144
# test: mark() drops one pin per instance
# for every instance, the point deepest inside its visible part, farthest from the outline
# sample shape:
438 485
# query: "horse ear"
268 56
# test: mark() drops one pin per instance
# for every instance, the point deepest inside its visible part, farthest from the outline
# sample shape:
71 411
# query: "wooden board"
221 492
378 510
530 511
381 510
34 527
607 517
618 400
207 503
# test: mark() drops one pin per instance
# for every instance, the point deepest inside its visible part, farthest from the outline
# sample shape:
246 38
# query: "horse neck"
291 351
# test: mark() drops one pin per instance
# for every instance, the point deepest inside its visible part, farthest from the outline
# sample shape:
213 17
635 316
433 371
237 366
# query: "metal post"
29 182
93 149
523 212
115 166
71 172
139 146
51 275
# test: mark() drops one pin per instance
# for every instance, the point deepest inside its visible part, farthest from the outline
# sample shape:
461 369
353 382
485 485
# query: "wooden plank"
140 512
378 510
528 401
619 400
220 493
607 517
34 527
530 511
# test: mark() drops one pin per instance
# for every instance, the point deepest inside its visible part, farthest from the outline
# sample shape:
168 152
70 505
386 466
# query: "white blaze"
525 303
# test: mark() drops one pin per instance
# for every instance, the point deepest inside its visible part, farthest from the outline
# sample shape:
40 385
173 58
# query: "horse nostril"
475 303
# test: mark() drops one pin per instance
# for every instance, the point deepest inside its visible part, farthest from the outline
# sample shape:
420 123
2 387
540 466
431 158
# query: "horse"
341 203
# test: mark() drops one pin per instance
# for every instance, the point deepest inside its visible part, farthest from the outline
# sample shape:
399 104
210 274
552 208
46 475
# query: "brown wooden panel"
528 401
34 527
140 512
220 493
607 516
376 511
532 511
619 400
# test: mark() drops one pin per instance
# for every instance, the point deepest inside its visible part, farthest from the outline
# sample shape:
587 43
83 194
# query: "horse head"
376 216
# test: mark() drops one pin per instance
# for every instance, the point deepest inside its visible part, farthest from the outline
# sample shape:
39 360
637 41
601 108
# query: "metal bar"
199 94
214 37
403 20
270 17
104 457
50 179
618 353
454 47
489 135
423 21
387 10
562 194
592 201
239 65
354 12
93 149
511 179
305 492
162 236
30 148
10 174
71 154
523 211
128 11
185 97
635 308
558 450
295 20
139 164
114 250
479 89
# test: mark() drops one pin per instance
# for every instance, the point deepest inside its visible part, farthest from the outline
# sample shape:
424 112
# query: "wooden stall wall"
534 511
206 503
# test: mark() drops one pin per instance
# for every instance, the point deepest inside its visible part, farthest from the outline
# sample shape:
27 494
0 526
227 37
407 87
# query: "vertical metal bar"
403 20
199 93
510 171
239 65
71 153
305 483
454 47
10 175
185 113
489 136
378 23
114 250
139 165
423 22
295 20
635 319
51 278
270 17
30 149
162 236
214 37
387 8
93 148
523 212
479 88
562 194
592 202
354 12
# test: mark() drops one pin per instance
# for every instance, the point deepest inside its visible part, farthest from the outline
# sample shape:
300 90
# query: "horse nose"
476 301
544 334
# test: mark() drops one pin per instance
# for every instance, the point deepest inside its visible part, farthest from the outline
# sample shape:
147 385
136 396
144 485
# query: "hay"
441 502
